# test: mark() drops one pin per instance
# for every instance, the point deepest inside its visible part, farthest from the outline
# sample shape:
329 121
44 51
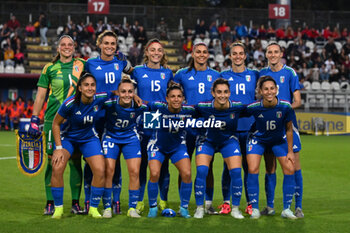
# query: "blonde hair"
103 34
58 55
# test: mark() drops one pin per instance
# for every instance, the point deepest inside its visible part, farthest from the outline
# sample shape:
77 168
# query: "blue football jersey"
80 118
107 73
168 138
242 87
196 84
270 123
287 81
120 121
151 83
228 117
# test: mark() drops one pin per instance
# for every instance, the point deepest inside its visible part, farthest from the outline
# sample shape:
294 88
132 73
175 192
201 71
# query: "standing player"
121 136
79 113
61 77
222 139
273 118
288 89
243 83
168 143
107 69
196 81
152 79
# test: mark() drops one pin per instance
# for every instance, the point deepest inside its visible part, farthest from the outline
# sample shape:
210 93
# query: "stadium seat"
211 57
316 86
188 57
345 86
212 64
338 45
289 43
282 43
310 44
121 40
206 41
9 69
19 69
264 44
129 40
307 85
124 49
94 54
325 86
220 58
216 40
59 30
2 69
335 86
252 42
198 40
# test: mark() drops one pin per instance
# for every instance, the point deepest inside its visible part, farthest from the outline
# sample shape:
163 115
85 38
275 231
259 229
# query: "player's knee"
99 173
186 176
154 176
134 173
253 169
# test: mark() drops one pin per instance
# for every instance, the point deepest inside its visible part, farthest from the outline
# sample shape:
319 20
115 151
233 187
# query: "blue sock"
253 189
185 191
152 193
245 180
200 183
57 193
133 198
270 185
226 184
288 190
298 189
96 194
87 181
236 186
143 178
107 198
117 183
164 180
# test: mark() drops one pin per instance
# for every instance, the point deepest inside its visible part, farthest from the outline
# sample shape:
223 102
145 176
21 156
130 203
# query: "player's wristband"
59 147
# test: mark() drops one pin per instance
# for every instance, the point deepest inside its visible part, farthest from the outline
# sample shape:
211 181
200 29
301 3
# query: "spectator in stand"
187 46
9 56
346 63
43 29
315 73
100 27
241 30
20 105
222 27
162 30
271 33
134 54
344 34
19 57
336 34
14 115
213 31
306 33
253 32
201 29
217 48
4 119
90 29
85 50
326 33
13 23
289 35
324 73
134 28
188 33
30 30
331 49
346 46
306 72
262 32
84 35
141 36
257 53
314 34
5 32
297 33
280 33
28 111
16 42
344 74
333 74
226 35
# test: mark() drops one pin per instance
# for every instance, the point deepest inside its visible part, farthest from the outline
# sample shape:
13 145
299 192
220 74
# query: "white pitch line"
3 158
10 145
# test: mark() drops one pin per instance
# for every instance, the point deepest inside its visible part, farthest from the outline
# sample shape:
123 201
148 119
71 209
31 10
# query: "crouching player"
222 140
273 119
170 143
121 136
79 111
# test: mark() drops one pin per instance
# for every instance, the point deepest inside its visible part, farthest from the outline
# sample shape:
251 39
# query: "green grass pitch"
325 162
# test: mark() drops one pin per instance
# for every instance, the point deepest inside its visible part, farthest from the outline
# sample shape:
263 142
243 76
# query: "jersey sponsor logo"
209 78
78 113
191 78
145 76
116 66
236 151
98 68
76 68
261 116
162 75
95 108
248 78
278 114
282 78
230 79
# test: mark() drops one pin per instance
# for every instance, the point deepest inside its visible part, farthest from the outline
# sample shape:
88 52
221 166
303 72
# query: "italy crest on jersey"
95 108
232 115
282 78
209 78
132 115
153 154
248 78
278 114
199 148
30 153
76 68
162 75
250 147
116 66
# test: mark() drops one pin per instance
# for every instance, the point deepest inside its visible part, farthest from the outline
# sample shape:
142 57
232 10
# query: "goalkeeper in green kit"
59 77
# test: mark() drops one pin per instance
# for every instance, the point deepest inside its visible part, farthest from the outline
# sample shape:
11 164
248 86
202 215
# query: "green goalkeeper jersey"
61 79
